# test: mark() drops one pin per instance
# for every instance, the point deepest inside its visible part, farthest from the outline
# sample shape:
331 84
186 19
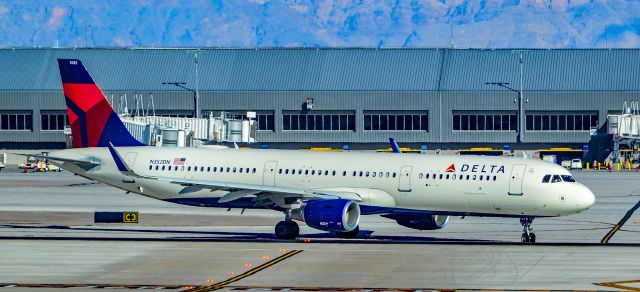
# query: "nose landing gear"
527 235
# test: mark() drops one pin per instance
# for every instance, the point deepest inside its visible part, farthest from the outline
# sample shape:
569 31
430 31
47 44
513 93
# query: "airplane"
328 191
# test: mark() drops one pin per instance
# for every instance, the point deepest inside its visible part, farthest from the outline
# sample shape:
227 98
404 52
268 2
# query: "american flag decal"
179 161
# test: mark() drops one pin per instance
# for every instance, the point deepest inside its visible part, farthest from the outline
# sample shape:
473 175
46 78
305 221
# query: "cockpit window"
568 178
556 179
546 178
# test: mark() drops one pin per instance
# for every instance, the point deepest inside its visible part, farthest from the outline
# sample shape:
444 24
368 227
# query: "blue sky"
328 23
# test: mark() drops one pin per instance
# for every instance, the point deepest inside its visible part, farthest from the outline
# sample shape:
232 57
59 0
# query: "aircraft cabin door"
269 173
130 160
515 180
404 183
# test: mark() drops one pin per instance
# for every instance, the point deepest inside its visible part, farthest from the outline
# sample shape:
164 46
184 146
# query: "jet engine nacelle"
420 221
334 215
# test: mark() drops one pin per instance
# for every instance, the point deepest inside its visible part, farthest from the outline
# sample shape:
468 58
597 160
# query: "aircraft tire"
532 237
287 230
525 238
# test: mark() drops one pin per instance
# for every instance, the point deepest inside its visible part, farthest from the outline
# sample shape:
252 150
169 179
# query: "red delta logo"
451 168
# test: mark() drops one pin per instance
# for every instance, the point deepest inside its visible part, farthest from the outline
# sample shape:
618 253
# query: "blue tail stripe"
116 133
82 119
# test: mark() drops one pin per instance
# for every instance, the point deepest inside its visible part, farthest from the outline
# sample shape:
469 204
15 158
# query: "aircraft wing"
239 190
62 159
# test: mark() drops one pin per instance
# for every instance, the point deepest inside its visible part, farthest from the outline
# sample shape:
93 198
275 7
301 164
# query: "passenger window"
254 170
467 177
387 174
163 167
354 173
326 172
279 171
150 167
373 174
556 179
494 178
182 168
175 168
189 168
313 172
286 171
299 171
474 177
546 178
441 176
361 173
344 173
333 173
480 177
215 169
367 174
208 168
156 167
447 176
426 176
240 170
394 174
420 176
319 172
453 176
228 169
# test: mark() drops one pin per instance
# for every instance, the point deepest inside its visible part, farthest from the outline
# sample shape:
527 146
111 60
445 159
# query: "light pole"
195 95
520 138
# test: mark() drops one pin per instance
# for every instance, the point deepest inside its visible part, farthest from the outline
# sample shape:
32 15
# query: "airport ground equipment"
3 160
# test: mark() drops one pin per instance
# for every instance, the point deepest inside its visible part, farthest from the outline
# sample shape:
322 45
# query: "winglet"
120 163
394 146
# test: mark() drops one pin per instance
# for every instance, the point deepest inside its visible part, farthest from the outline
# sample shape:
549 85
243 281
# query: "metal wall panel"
230 69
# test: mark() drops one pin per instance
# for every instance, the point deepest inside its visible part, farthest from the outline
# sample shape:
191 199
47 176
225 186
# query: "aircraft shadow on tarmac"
363 236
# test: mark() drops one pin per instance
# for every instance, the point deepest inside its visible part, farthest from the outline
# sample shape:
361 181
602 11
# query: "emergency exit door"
515 180
269 173
404 183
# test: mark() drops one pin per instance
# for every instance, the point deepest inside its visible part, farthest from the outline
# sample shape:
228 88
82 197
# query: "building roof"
344 69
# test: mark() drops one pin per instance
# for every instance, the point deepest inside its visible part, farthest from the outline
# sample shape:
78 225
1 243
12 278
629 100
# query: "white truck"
3 160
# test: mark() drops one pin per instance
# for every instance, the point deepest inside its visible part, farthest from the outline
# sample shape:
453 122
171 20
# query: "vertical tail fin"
93 121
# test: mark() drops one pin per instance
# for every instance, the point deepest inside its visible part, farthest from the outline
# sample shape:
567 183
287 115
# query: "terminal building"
303 97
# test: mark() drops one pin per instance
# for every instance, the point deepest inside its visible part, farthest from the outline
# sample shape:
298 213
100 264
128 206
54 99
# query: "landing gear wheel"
527 235
349 234
287 230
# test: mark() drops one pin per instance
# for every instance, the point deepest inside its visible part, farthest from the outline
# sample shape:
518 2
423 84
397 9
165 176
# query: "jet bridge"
625 129
185 132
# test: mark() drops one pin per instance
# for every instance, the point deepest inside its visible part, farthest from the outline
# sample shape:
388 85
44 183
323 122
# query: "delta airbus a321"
327 191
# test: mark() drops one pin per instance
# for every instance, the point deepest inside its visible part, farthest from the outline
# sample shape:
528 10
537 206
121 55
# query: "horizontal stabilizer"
61 159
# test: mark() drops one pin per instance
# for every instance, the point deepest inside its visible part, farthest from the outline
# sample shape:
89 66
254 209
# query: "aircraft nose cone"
587 198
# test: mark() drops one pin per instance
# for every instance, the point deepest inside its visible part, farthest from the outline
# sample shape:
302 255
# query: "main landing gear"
287 229
527 235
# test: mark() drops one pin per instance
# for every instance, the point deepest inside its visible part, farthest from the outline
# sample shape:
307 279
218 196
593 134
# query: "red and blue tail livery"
93 122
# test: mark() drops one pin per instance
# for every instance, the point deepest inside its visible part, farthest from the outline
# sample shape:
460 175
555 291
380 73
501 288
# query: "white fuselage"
492 186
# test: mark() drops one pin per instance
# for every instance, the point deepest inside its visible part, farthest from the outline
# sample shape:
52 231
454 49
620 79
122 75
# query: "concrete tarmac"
177 246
